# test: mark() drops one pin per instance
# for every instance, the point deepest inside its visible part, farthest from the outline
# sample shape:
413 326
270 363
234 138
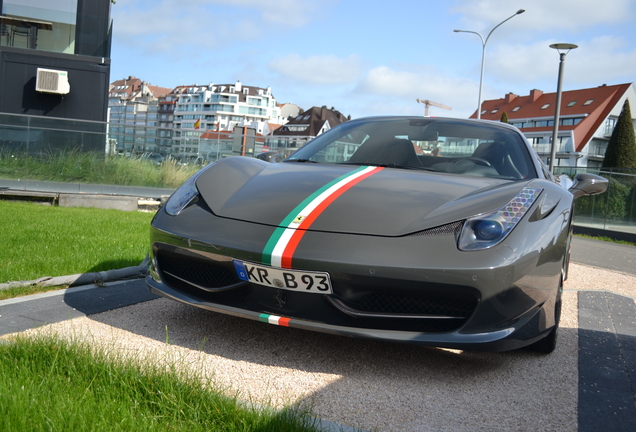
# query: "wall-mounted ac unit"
52 81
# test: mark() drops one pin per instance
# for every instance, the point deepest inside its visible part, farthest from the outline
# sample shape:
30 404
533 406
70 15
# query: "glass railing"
76 151
54 149
546 148
613 210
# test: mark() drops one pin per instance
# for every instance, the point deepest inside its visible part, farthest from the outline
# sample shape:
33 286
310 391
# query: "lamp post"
483 54
563 49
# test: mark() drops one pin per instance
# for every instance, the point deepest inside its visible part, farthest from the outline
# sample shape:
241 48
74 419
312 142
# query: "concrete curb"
97 278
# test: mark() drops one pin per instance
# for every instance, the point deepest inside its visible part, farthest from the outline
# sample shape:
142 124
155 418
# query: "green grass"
47 384
607 239
73 166
38 241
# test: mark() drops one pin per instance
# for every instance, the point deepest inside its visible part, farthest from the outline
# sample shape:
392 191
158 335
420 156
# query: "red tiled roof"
134 85
604 99
227 135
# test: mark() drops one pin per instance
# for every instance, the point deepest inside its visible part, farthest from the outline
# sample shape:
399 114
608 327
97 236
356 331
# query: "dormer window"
545 106
246 91
232 89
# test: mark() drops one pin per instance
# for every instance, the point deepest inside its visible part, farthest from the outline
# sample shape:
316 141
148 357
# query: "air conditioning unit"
52 81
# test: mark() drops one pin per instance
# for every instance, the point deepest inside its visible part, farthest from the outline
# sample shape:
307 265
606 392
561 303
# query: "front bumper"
507 299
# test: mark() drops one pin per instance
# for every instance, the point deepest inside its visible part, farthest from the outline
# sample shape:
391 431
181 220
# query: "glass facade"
61 26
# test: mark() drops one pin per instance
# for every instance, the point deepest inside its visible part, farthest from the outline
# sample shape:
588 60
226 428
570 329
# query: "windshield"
441 145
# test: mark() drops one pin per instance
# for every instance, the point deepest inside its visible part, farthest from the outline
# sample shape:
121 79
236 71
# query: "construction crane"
428 103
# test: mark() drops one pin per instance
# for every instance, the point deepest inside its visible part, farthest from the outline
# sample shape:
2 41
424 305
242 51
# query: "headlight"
184 196
487 230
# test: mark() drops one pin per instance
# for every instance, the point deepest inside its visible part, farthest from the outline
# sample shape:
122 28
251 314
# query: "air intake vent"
52 81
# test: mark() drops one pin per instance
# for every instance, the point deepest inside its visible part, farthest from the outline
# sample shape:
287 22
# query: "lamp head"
563 46
520 11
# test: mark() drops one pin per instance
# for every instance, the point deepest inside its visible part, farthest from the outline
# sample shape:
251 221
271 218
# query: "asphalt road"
607 255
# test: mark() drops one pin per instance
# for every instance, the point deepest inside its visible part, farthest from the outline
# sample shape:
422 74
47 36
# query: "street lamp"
483 54
563 49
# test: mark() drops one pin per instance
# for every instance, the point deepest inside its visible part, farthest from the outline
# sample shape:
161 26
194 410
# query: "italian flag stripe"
282 244
275 320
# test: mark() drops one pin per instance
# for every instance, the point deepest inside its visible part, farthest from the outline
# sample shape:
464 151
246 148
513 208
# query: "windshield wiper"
300 160
391 165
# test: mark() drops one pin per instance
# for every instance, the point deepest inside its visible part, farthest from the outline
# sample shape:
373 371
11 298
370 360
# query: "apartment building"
586 121
134 117
219 107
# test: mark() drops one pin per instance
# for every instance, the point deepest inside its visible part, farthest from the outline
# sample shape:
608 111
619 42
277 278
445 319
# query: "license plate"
293 280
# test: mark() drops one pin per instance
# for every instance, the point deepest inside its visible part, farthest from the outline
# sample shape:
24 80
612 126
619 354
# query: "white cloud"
600 60
541 15
167 25
288 13
400 89
318 69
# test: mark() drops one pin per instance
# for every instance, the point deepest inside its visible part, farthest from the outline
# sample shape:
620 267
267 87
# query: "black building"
54 64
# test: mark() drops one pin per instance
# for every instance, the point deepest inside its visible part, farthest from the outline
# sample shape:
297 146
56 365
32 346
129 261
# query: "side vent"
52 81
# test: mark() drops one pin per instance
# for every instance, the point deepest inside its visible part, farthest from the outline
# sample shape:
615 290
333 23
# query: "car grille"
406 305
451 228
205 274
411 313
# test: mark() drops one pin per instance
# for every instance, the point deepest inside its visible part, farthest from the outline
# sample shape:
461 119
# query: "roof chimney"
510 97
535 95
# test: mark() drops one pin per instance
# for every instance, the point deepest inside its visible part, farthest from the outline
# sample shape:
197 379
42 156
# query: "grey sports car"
438 231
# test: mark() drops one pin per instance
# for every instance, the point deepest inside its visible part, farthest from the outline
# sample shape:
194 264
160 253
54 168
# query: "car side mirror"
565 181
588 184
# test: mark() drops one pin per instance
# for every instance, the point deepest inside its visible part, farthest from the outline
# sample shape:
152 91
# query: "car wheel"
548 343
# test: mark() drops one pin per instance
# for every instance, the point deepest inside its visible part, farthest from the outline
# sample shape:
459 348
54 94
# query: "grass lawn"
38 240
74 166
607 239
53 385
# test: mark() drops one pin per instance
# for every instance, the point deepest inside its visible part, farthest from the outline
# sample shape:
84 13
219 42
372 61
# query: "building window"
494 111
246 90
570 121
516 109
588 102
484 111
545 106
572 103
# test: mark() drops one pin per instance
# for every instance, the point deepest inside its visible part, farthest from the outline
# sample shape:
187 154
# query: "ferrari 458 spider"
443 232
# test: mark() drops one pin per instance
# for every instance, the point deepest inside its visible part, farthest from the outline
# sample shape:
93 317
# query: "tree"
621 149
504 117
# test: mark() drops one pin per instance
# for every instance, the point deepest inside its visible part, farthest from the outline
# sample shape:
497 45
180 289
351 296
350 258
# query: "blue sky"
375 57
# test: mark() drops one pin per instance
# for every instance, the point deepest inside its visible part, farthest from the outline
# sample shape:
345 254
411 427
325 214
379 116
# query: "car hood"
389 202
